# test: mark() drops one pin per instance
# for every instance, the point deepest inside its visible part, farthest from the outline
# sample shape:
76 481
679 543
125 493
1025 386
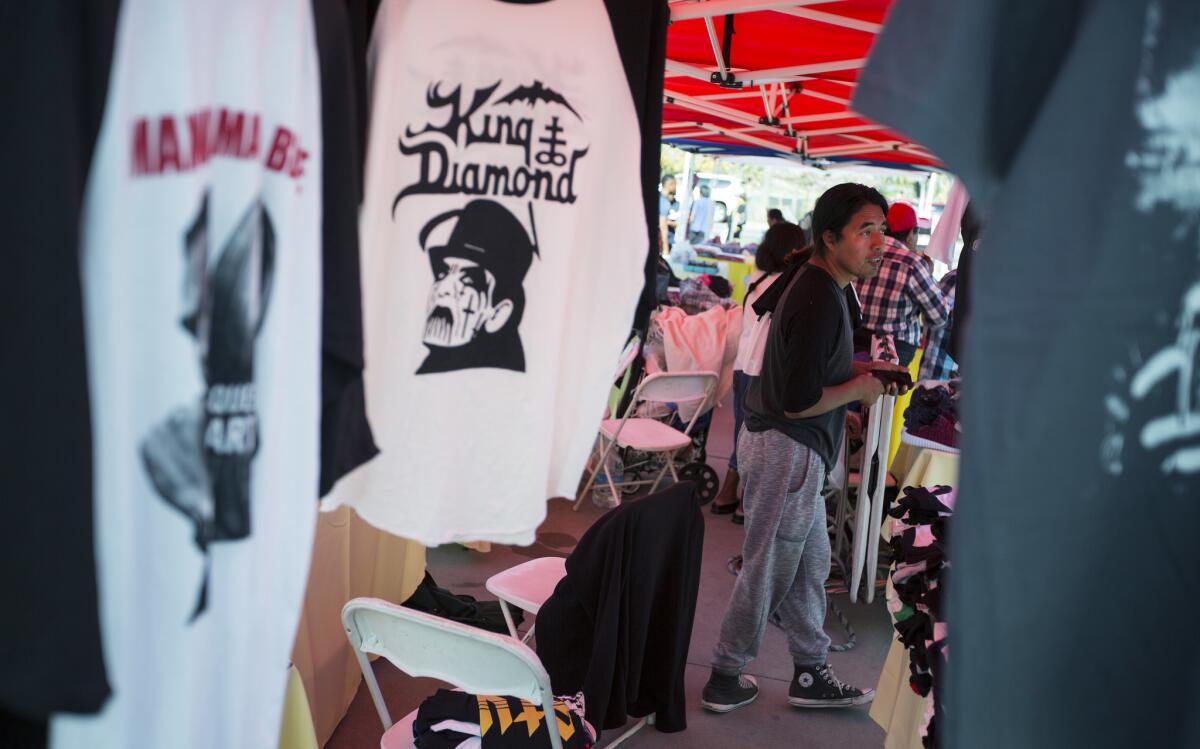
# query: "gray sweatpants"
785 557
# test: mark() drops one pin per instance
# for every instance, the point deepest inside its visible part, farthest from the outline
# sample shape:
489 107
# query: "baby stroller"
676 344
656 429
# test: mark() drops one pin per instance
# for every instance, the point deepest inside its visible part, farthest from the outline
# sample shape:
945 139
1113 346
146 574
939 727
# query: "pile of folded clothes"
932 414
458 720
918 547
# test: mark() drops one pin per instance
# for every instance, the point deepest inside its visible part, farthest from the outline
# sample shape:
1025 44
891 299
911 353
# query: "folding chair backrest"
677 387
627 356
471 659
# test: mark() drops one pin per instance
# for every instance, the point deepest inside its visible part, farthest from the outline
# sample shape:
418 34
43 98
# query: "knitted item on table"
943 430
921 505
927 403
918 547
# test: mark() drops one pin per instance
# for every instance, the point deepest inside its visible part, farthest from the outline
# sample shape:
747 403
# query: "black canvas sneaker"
817 686
723 692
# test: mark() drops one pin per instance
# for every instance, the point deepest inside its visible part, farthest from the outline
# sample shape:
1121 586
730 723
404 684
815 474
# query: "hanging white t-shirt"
201 274
503 255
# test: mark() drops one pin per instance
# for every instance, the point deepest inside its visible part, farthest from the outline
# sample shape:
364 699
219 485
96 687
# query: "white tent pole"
789 74
926 209
826 117
722 68
843 130
707 107
747 94
833 18
745 138
792 72
785 111
682 11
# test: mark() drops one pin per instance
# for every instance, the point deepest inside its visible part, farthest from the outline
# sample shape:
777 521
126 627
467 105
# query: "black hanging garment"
346 439
640 28
618 626
1075 125
56 55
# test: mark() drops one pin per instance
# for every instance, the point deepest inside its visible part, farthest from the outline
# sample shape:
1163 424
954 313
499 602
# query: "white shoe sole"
862 699
722 708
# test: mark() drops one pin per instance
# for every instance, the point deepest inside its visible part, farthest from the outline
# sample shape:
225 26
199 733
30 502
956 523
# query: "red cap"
901 217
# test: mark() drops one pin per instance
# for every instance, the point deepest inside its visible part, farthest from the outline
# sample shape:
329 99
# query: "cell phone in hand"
892 376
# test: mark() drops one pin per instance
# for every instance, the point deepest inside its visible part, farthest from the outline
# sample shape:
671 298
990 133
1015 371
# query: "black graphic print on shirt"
477 297
496 143
1153 410
199 457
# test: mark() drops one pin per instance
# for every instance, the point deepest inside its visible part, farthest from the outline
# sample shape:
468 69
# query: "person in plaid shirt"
894 301
937 364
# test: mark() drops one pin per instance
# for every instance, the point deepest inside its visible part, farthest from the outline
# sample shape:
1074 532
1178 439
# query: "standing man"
795 412
668 213
701 219
774 216
904 290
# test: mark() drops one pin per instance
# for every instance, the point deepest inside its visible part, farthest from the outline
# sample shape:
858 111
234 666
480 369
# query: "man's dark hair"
900 236
777 244
837 206
665 179
774 213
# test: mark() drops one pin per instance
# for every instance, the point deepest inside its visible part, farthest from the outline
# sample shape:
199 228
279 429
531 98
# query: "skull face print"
461 303
475 305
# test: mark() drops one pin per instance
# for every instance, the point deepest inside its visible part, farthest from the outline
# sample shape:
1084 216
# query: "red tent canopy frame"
781 80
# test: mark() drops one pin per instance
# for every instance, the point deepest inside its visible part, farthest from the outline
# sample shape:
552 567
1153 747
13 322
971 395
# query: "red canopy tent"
777 77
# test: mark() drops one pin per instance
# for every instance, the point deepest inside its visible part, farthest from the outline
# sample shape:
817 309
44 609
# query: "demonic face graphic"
462 302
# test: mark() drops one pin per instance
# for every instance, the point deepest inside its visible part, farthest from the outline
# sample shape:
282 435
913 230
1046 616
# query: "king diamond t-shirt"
503 245
202 279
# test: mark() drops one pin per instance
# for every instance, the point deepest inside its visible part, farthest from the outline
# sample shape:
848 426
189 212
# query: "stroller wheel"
705 478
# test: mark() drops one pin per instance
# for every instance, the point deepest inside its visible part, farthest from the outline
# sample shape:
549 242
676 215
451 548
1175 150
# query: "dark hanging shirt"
56 55
1073 125
618 626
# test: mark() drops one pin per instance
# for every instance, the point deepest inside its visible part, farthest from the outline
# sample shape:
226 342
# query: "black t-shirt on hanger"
56 55
346 439
640 28
1074 126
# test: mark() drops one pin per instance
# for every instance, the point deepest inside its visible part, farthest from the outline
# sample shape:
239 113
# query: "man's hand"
890 387
863 367
879 364
868 388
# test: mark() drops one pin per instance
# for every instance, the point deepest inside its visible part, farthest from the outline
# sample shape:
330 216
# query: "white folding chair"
526 586
869 513
651 435
471 659
621 375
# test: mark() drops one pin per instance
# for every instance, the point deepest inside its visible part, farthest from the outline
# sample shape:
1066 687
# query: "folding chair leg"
870 571
862 511
512 628
843 500
529 635
658 479
373 687
648 720
612 489
587 486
